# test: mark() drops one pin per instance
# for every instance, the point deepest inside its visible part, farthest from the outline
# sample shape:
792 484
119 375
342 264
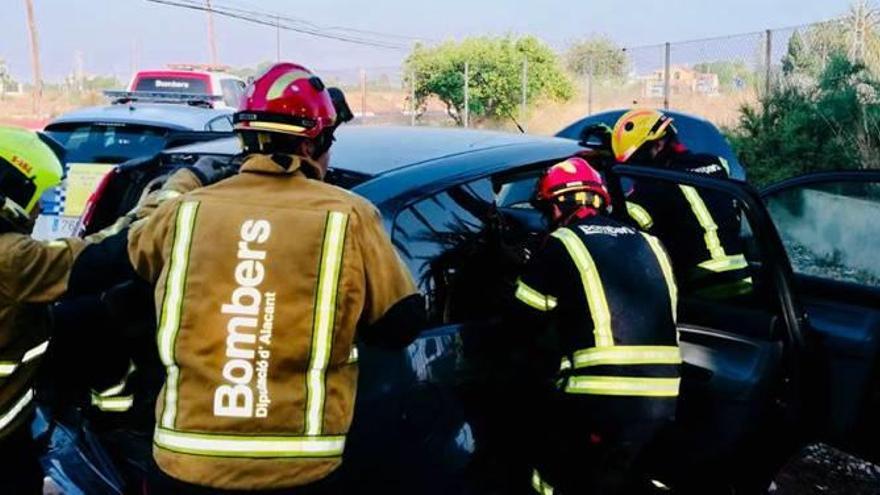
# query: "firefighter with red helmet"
605 295
261 282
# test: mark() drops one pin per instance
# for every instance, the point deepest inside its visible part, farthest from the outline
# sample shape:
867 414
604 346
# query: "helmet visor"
15 185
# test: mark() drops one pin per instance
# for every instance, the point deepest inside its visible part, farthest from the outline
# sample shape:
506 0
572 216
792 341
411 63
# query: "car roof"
375 150
165 115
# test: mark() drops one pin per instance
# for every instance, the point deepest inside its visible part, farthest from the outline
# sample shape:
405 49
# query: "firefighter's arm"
535 292
147 239
181 182
33 271
394 312
204 172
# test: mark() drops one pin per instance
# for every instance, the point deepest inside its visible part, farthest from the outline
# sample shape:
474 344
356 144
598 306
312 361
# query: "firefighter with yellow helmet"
32 274
700 228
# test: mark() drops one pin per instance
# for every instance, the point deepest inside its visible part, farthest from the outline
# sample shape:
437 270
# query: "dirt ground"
823 470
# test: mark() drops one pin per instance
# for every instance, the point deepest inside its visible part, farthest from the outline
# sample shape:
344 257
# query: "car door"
409 403
742 351
830 226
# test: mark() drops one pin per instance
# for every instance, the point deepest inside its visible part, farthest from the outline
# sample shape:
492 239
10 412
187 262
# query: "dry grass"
391 106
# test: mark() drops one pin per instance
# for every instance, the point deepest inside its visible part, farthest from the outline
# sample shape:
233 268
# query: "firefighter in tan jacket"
32 274
262 281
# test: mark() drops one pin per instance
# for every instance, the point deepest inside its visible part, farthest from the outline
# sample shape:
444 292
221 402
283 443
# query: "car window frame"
861 293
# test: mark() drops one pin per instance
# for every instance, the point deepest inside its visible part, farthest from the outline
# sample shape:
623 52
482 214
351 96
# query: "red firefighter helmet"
569 181
288 99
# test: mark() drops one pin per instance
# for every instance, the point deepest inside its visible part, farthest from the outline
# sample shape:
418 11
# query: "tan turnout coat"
261 281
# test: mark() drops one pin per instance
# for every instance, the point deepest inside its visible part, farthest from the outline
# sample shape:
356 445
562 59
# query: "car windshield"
107 143
188 85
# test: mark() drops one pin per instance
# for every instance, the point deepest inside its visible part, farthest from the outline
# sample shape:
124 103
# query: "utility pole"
212 41
769 66
525 91
666 73
79 70
278 38
412 99
35 56
363 95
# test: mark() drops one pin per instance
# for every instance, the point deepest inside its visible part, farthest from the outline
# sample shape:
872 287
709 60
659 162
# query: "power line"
240 8
278 22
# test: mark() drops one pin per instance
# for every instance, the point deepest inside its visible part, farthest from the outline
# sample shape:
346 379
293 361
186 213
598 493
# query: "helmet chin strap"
14 218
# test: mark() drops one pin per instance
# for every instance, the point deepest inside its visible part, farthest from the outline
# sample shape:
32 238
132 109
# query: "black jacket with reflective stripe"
630 281
686 231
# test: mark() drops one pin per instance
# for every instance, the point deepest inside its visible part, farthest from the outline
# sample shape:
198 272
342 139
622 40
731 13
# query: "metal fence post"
590 87
768 62
525 90
467 111
363 95
666 74
412 98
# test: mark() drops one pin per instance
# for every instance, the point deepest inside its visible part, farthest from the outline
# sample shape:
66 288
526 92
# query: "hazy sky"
111 34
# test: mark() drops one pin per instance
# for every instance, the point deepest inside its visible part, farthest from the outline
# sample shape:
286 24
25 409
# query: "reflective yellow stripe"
172 306
35 352
666 267
730 289
725 264
8 367
10 415
113 404
271 126
710 229
109 399
623 385
725 164
353 355
592 286
629 354
254 446
324 319
540 485
534 298
564 364
639 214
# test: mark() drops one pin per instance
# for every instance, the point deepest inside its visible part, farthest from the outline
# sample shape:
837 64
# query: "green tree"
833 124
601 56
495 75
797 59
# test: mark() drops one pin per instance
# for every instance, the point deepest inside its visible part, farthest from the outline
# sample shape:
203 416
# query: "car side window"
440 238
220 124
830 229
233 91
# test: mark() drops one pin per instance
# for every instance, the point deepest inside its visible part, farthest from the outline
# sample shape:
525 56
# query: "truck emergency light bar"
201 67
120 97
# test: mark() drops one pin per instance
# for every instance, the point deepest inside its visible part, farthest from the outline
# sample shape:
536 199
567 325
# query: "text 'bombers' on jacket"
261 281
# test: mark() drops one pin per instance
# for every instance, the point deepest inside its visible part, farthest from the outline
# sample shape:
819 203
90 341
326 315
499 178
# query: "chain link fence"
712 78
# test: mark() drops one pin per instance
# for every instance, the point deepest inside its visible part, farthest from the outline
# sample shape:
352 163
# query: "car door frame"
775 261
810 287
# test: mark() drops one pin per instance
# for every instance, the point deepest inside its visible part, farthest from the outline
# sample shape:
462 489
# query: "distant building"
682 80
